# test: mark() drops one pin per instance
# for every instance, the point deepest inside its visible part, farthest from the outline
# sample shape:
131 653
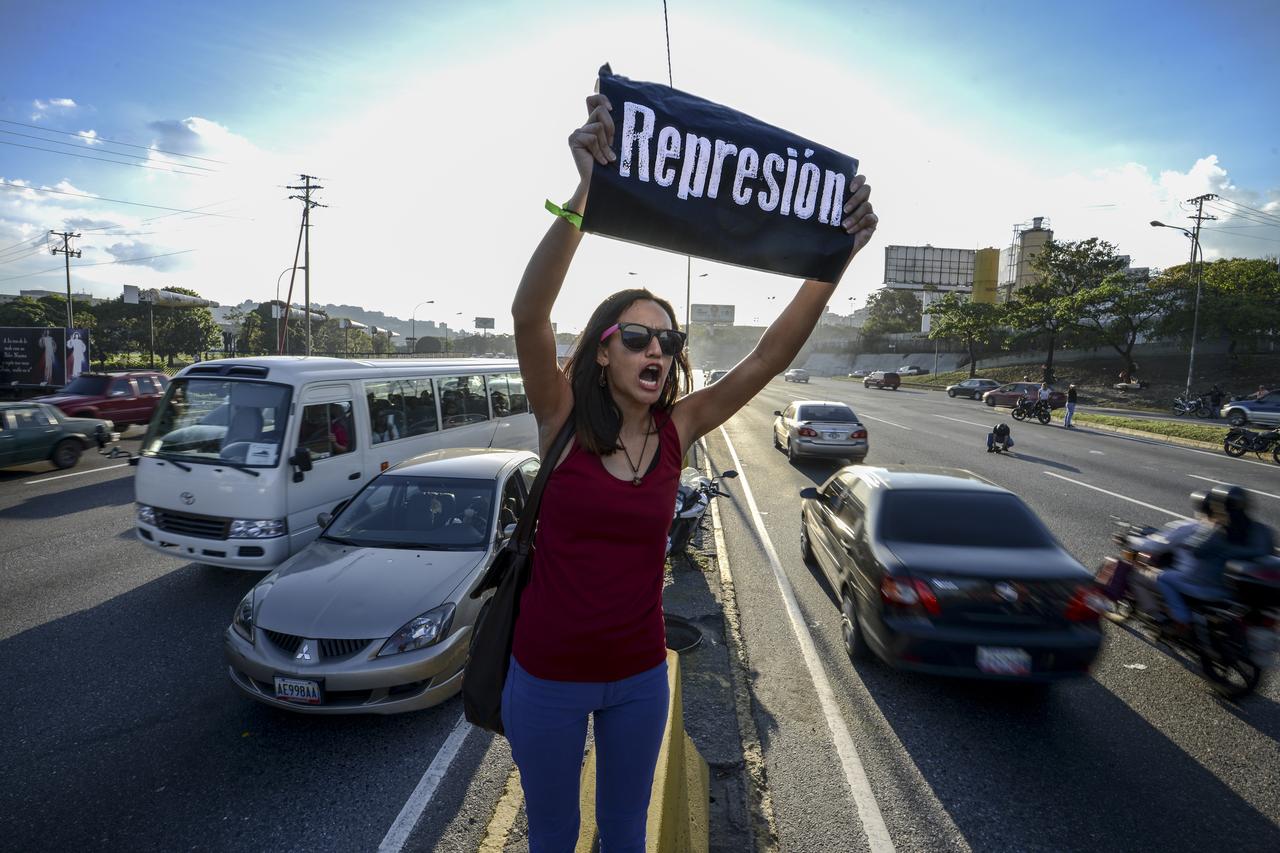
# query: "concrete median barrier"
678 804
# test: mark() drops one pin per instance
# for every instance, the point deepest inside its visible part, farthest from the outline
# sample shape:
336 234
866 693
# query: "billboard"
711 315
921 265
484 322
42 355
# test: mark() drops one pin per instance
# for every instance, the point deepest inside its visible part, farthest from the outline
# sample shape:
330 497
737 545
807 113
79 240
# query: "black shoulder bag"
489 657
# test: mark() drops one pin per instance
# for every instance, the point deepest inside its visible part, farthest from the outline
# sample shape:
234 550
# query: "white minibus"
242 454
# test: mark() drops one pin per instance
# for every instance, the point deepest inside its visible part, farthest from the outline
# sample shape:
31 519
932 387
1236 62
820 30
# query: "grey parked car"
972 388
375 616
1265 411
820 428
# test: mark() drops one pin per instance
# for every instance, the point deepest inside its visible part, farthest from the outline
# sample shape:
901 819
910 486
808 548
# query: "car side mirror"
809 493
301 459
778 413
324 519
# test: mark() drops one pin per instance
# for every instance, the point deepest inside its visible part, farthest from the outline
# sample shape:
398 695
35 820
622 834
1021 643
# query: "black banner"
701 179
42 355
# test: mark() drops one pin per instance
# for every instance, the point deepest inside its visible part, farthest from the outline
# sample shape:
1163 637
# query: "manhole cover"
682 635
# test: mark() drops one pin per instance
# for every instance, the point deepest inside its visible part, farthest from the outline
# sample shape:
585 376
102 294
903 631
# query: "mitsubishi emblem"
304 653
187 498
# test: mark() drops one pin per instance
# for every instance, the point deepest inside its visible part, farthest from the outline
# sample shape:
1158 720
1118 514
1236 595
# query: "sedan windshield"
220 420
428 513
829 414
967 519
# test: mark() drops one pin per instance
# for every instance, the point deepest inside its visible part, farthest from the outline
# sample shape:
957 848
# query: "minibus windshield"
220 420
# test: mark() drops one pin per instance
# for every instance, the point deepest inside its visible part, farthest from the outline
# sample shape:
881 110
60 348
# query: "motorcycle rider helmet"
1201 502
1230 500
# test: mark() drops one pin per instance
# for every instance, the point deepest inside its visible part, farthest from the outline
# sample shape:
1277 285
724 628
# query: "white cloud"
53 105
90 137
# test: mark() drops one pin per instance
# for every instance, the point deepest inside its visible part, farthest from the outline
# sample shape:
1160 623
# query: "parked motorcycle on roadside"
693 496
1231 641
1240 441
1185 404
1038 409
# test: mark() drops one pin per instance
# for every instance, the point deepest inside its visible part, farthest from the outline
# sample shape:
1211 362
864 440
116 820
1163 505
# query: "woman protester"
590 639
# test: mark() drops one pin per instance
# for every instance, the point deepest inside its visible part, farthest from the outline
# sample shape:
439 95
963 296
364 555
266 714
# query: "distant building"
76 298
1015 261
831 318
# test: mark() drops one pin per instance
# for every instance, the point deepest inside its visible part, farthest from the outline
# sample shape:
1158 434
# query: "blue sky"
439 129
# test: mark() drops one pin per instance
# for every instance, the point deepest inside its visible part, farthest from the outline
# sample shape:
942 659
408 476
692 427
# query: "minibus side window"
420 409
462 400
327 429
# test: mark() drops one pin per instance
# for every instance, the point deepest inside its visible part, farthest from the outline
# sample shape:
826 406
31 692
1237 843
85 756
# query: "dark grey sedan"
942 572
819 429
972 388
376 615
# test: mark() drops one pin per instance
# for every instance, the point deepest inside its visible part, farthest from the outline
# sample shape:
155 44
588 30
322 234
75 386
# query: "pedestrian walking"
1071 406
1215 400
589 635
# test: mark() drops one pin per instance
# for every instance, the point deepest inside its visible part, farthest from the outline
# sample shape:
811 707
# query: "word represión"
703 165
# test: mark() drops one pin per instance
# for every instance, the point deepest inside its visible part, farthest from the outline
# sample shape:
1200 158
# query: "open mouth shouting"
651 376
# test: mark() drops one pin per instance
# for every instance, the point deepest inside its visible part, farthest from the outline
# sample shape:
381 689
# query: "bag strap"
523 538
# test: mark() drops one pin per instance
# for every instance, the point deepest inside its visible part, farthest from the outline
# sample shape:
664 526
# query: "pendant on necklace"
635 481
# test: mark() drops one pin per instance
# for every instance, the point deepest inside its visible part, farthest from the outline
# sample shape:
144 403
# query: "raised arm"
707 408
550 397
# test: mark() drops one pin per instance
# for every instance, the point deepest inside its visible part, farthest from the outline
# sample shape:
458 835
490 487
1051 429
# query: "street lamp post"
279 342
413 325
446 332
1199 268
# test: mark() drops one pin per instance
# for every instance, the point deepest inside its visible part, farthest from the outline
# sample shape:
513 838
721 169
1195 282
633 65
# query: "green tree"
973 323
184 330
892 311
119 329
428 345
1239 300
23 311
1047 307
1121 310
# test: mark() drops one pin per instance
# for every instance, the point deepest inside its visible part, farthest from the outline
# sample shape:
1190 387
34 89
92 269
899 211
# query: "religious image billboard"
701 179
42 355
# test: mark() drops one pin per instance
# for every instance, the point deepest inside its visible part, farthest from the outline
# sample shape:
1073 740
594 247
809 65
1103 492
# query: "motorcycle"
693 496
1038 409
1231 641
1240 441
1185 404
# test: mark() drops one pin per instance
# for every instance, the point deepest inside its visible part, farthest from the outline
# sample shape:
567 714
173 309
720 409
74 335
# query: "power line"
195 210
1246 236
111 141
103 159
1243 216
81 149
1274 216
102 264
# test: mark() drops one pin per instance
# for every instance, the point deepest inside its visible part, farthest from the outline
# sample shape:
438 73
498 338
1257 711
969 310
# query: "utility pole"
1200 217
70 253
307 189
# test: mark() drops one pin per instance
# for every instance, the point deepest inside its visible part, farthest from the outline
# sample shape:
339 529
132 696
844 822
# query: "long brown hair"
598 418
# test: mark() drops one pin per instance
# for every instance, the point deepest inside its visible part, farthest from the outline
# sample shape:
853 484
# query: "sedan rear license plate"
298 690
999 660
834 435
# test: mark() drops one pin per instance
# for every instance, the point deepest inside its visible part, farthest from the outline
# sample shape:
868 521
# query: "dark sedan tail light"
808 432
910 595
1086 605
861 433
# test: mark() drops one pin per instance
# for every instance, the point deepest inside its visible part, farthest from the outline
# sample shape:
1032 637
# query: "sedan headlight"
257 528
242 621
421 632
146 514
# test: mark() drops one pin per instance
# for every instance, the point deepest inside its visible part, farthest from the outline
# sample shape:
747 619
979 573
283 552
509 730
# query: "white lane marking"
1225 483
1117 495
883 421
1098 452
963 421
76 474
855 774
399 832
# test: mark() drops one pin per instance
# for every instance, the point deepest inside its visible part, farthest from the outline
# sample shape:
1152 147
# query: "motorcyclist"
1202 548
999 439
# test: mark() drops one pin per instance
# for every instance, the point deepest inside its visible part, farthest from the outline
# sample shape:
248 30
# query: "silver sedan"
820 428
375 616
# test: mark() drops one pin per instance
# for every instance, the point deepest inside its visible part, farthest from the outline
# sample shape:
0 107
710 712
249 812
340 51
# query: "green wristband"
574 219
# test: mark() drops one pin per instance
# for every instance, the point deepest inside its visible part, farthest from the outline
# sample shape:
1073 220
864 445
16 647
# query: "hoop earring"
603 382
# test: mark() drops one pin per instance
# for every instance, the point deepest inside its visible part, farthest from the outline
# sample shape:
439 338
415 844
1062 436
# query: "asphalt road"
122 730
1141 755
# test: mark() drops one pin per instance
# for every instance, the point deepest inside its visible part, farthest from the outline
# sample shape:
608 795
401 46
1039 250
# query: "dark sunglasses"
636 337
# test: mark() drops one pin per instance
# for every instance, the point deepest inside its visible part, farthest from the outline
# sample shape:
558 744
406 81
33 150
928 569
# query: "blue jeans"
1071 411
546 724
1173 584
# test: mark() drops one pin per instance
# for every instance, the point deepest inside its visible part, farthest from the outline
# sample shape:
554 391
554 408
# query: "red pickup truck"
122 398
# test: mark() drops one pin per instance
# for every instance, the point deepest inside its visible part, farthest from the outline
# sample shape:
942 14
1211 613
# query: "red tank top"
593 608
